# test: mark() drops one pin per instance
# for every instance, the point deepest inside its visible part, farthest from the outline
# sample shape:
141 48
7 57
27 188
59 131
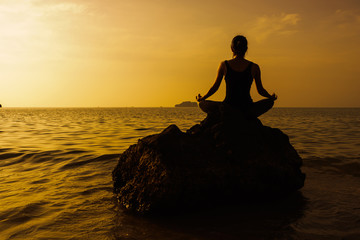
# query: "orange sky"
117 53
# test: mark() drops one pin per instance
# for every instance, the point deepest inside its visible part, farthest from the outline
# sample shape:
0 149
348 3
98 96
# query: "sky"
140 53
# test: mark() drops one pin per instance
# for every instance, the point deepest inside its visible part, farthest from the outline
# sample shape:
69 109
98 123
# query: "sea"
56 164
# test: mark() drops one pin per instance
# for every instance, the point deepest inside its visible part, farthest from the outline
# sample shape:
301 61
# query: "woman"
239 74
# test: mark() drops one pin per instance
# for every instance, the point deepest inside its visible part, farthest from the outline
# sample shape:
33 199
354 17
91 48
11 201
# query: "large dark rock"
226 158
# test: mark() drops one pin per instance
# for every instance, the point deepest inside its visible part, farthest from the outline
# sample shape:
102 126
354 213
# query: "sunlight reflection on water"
56 164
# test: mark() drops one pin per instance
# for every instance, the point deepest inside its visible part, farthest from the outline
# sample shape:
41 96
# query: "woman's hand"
273 97
199 98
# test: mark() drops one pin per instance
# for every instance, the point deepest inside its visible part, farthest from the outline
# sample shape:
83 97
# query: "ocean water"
56 164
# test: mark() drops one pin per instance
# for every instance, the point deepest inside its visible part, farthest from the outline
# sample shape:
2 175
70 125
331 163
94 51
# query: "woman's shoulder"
233 62
254 65
251 62
246 61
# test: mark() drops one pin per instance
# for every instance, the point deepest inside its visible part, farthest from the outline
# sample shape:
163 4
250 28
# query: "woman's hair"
239 45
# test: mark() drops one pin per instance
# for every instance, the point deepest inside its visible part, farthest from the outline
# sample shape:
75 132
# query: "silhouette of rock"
227 158
187 104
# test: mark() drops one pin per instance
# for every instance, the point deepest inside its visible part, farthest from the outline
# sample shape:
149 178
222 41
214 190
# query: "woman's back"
238 80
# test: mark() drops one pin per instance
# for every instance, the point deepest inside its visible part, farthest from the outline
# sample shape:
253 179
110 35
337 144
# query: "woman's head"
239 45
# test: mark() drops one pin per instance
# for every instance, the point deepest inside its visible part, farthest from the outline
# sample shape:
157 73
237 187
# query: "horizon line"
166 107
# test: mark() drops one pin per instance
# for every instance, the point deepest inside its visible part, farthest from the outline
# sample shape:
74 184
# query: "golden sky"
122 53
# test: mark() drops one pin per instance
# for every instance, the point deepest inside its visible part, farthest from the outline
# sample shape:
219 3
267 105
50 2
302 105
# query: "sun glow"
71 53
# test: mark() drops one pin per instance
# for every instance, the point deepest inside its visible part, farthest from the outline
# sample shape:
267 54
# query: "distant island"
187 104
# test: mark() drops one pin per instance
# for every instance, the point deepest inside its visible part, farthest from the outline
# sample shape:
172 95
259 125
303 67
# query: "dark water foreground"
247 221
56 164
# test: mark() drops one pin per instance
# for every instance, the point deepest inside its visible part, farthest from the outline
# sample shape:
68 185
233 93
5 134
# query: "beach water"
56 164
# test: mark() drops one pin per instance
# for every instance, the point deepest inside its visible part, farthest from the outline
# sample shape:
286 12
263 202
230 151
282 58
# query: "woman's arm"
261 90
215 87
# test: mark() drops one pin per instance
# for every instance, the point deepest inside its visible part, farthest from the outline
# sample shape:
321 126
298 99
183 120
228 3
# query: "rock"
227 158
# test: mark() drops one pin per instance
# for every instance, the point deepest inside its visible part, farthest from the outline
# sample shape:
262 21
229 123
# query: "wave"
336 165
74 158
77 163
67 159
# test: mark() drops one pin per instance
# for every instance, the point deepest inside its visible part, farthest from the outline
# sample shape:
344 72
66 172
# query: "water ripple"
56 164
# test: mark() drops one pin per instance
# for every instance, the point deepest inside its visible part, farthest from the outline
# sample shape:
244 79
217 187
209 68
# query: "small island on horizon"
187 104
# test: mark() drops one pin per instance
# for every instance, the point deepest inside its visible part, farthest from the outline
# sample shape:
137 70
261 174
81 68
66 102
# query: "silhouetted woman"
239 74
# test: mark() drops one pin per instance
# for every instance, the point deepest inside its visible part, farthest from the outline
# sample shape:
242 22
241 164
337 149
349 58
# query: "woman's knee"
209 106
202 105
262 106
265 103
270 103
205 106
